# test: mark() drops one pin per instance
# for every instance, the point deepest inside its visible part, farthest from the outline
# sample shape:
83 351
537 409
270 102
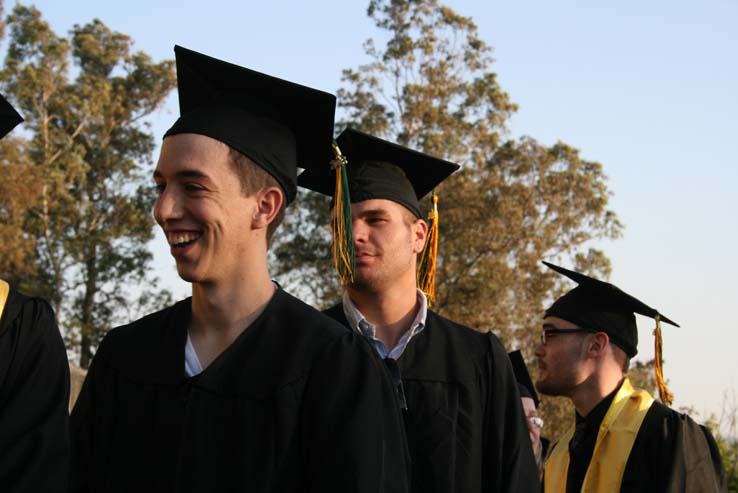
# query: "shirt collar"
597 414
360 324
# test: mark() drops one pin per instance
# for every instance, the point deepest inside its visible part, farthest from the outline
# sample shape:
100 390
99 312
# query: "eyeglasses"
537 421
549 332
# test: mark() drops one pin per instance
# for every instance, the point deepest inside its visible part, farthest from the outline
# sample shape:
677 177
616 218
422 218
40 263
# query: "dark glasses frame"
548 332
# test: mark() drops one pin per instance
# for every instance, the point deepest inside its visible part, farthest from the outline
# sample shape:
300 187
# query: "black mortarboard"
601 306
378 169
525 383
9 118
277 124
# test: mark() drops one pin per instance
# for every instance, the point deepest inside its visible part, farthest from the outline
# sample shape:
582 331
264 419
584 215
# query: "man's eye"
159 187
193 187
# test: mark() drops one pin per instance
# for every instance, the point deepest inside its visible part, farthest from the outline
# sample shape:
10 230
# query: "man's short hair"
621 358
408 216
253 178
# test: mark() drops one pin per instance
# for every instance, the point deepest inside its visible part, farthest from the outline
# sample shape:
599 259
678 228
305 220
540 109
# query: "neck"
231 304
594 390
391 310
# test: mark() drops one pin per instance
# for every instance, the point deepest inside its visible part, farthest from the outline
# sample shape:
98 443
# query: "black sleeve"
508 462
672 453
91 423
697 464
352 434
34 400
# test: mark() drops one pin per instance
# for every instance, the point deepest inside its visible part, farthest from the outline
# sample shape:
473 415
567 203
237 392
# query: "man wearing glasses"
623 439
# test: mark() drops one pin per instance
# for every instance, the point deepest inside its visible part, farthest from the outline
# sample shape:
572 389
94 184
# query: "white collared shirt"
192 362
360 324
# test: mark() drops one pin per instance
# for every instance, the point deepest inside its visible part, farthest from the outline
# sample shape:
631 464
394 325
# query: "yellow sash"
615 439
4 291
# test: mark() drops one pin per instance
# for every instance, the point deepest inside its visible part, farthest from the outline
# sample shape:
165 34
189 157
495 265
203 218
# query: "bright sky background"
649 89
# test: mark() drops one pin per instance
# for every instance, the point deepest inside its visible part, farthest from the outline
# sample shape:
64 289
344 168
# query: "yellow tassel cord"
343 242
666 396
429 256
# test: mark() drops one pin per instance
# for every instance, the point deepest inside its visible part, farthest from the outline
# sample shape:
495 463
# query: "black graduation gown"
465 426
34 398
296 403
671 453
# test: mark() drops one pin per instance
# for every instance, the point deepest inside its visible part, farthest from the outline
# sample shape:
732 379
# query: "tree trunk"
86 317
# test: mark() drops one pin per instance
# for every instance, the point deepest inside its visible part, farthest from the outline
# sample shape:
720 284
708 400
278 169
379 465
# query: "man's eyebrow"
185 173
550 326
374 212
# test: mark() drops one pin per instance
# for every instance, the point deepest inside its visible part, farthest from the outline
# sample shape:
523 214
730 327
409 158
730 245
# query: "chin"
546 388
366 283
188 274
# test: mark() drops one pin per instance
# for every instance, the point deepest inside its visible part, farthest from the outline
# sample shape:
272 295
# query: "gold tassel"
429 256
666 396
343 242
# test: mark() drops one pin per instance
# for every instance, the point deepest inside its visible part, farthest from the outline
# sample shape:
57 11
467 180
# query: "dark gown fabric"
296 403
465 426
34 398
671 453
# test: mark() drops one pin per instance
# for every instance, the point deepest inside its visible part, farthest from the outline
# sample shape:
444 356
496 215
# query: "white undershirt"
192 363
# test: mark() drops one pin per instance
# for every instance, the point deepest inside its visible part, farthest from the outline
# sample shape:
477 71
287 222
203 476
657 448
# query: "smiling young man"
241 387
463 417
623 439
34 384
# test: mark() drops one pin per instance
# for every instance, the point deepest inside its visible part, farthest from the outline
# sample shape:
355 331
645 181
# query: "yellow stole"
615 439
4 291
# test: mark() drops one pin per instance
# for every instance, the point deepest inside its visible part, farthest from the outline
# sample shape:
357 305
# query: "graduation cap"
9 118
522 376
603 307
277 124
367 167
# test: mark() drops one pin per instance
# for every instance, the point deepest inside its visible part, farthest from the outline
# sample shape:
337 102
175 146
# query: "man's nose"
360 232
539 350
167 207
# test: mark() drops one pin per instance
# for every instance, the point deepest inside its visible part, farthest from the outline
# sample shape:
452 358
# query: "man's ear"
598 343
268 203
420 232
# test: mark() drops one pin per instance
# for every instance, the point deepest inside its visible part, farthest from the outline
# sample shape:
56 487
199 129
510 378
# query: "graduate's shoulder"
312 323
335 312
665 416
663 426
307 341
665 421
135 336
479 343
690 447
33 316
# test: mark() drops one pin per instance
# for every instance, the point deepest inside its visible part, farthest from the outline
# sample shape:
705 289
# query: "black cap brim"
9 117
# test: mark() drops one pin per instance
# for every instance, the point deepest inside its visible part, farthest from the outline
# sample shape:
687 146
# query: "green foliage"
91 220
725 429
19 190
430 86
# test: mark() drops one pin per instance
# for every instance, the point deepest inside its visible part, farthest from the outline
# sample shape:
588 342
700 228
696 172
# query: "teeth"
176 239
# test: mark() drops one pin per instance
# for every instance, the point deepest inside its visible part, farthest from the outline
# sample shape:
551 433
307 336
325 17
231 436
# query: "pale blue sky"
649 89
